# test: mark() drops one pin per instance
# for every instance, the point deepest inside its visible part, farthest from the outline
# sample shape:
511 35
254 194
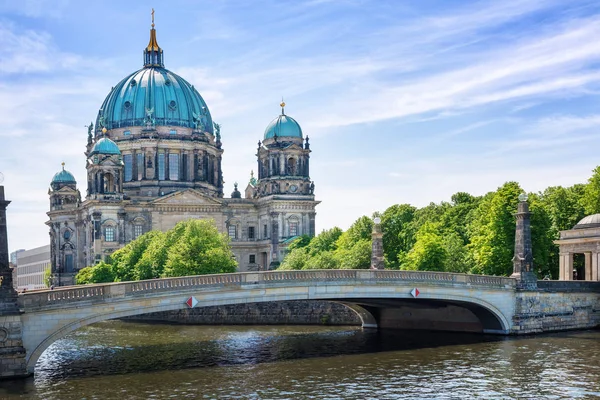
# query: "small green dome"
283 126
105 146
64 177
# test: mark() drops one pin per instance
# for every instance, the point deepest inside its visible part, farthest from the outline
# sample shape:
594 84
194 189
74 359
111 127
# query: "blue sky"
403 101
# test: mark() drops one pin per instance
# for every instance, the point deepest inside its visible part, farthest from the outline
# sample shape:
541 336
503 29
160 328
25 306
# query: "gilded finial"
63 165
153 18
282 104
104 130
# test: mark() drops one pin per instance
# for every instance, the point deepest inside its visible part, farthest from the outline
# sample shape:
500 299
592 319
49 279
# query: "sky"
403 101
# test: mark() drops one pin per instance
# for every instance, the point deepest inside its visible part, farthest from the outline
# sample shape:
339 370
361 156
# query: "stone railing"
568 286
100 292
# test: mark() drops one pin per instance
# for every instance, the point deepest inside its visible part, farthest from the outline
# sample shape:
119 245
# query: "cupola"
283 126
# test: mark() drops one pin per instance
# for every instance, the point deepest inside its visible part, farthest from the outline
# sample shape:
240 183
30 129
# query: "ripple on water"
117 360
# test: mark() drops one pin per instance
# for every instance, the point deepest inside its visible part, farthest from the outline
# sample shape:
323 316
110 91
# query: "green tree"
428 253
456 259
295 259
299 242
325 241
324 260
199 249
542 236
356 257
192 247
591 194
492 231
360 229
395 221
99 273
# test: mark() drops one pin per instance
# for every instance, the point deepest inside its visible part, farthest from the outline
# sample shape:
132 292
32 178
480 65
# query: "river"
127 360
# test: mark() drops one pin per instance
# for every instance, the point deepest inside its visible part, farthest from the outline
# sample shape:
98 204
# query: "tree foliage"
192 247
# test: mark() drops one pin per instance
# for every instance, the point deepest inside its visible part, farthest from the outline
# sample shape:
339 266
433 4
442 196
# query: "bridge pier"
12 352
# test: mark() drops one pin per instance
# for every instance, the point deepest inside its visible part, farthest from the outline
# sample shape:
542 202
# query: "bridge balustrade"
101 292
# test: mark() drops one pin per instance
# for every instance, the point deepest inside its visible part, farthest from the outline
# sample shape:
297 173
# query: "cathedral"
154 159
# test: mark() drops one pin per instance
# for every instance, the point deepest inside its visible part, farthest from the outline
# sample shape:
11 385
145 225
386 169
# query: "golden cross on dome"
153 18
282 106
63 165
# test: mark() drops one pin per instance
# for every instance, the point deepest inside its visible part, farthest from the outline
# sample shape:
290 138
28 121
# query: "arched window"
109 183
291 166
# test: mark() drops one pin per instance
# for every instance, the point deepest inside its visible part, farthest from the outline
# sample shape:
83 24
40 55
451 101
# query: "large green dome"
154 91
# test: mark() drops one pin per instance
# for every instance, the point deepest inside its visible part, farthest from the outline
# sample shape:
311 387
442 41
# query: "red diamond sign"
191 302
415 292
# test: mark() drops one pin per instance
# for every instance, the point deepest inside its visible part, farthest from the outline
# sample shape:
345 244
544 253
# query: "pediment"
294 146
66 190
188 197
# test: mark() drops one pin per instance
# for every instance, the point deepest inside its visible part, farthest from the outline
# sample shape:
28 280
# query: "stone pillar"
588 266
121 231
568 267
12 352
377 246
523 258
595 266
274 240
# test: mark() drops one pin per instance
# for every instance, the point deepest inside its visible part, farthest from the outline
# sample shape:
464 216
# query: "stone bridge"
382 298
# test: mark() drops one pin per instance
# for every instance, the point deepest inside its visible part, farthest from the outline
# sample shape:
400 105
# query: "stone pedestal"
12 352
523 258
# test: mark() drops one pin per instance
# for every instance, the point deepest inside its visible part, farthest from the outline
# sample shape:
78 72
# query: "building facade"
32 267
154 159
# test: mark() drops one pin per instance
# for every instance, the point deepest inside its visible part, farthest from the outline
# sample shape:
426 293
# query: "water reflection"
118 360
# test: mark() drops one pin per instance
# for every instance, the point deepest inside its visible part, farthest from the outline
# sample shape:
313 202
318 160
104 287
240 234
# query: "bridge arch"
50 315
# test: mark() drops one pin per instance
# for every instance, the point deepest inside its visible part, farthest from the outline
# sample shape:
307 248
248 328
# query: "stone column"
595 266
588 266
12 352
121 231
377 246
274 240
523 256
566 267
8 295
167 166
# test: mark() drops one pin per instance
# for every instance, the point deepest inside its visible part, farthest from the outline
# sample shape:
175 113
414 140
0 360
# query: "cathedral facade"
154 159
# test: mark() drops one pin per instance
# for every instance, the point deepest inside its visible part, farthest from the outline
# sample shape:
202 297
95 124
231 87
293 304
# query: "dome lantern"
153 54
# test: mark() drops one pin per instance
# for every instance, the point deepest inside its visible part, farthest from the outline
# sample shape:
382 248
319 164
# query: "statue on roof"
89 137
198 121
217 131
253 181
149 119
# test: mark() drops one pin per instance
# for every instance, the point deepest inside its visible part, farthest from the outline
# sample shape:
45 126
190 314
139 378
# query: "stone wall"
268 313
557 306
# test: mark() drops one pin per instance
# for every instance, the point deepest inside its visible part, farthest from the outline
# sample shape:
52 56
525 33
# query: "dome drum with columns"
154 159
582 240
